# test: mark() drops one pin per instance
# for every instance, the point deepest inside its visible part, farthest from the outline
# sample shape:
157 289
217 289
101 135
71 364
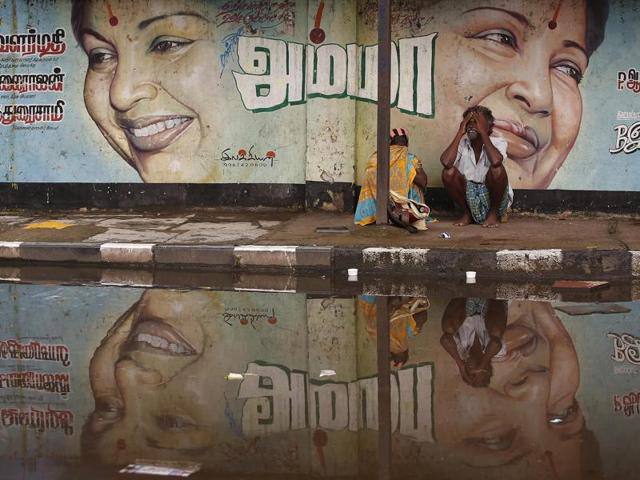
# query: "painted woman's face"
147 378
503 54
149 85
526 421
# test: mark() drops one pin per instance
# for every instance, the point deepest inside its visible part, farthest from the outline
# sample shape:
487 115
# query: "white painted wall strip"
529 260
10 249
127 252
635 263
266 248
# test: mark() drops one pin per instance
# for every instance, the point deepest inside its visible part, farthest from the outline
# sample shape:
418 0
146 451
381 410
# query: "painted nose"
532 91
129 87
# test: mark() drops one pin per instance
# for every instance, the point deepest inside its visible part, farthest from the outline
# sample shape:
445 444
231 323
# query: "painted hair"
77 12
597 15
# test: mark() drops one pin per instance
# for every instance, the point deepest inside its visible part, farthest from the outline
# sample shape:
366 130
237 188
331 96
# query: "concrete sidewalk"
561 245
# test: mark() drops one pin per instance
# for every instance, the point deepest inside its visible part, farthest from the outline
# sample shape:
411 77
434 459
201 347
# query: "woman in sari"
407 182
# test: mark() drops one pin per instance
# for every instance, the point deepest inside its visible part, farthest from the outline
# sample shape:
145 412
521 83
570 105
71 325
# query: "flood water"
252 384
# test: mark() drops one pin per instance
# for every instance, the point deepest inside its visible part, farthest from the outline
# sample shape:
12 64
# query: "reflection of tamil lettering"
28 114
627 138
34 43
41 82
278 400
12 349
44 382
628 404
248 156
37 419
276 73
626 348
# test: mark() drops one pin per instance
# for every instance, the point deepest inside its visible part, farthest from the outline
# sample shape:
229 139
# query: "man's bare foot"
464 220
492 220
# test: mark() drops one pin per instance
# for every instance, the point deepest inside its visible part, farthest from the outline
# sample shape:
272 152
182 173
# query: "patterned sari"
403 167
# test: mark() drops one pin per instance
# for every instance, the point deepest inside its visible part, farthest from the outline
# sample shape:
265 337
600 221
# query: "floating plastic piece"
164 469
580 284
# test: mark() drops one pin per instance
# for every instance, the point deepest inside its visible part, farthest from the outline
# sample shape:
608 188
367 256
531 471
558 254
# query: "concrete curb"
444 262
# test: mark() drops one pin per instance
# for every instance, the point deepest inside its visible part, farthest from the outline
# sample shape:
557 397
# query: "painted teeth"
158 127
161 343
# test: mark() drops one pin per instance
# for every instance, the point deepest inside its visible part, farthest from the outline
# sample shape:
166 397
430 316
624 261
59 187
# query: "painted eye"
167 45
570 70
503 37
100 56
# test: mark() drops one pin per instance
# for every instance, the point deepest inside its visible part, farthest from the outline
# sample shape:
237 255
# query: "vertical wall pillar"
331 124
384 110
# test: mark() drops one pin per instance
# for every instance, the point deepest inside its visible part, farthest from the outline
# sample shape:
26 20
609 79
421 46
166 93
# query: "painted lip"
496 438
520 341
154 133
523 141
155 336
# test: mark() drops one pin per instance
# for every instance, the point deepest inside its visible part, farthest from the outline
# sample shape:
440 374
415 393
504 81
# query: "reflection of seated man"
527 425
407 317
472 332
406 178
474 174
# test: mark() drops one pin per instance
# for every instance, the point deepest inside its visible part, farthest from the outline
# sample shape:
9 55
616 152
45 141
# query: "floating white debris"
327 373
238 376
165 469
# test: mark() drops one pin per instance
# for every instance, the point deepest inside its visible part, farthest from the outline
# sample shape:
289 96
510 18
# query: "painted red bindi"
113 20
317 35
553 24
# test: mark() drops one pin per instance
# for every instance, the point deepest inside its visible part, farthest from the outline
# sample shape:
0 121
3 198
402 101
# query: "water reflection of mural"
285 383
179 90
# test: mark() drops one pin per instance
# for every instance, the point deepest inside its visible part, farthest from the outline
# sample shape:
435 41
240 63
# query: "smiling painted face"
527 421
503 54
147 379
150 84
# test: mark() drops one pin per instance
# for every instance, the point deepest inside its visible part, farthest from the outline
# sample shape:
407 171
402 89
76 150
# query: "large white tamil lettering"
279 400
275 73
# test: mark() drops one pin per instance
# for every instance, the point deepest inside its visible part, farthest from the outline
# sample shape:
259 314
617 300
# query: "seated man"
407 178
472 335
474 174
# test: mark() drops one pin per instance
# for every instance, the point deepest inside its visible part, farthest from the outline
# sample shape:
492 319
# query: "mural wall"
283 91
249 382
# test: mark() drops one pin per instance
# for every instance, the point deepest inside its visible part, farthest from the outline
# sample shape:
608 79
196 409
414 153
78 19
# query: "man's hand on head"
399 136
482 124
465 120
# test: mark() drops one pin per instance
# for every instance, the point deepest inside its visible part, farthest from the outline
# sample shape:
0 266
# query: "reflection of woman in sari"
406 178
405 321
